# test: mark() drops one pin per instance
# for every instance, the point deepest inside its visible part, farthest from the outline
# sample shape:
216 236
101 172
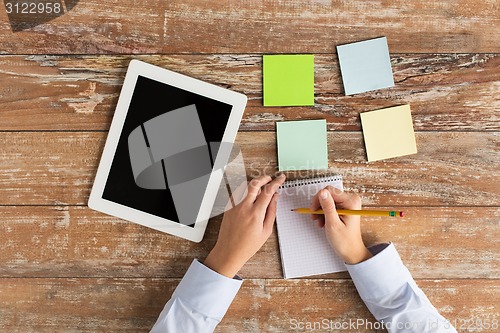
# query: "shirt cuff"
380 275
207 291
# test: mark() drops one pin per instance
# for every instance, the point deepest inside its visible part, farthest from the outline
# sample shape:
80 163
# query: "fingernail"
323 194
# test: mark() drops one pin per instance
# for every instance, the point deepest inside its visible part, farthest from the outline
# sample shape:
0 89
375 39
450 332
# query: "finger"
271 214
343 199
254 187
314 217
264 198
315 205
320 219
317 217
329 210
333 191
347 201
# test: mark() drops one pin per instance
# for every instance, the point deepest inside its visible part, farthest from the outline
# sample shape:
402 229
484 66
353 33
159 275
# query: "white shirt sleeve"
199 302
392 296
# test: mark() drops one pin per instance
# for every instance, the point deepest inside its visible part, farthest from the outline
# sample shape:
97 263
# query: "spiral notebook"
304 248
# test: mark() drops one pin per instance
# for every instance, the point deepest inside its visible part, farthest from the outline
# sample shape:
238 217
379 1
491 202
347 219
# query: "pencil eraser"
401 214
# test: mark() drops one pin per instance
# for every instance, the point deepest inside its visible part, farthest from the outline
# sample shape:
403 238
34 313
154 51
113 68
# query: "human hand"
246 227
343 232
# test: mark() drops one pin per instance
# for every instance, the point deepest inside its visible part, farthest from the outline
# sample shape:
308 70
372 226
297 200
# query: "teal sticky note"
302 145
288 80
365 66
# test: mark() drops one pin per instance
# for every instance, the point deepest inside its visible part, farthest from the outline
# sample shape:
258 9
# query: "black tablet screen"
165 151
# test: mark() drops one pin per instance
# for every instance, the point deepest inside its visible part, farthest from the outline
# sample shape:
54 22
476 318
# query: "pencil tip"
401 214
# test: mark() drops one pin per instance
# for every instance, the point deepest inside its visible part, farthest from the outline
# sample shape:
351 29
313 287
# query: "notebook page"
304 247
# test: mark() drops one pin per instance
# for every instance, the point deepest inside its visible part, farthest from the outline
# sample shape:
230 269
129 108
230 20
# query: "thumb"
328 206
326 202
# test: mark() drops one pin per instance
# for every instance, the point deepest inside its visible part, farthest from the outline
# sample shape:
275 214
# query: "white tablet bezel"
138 68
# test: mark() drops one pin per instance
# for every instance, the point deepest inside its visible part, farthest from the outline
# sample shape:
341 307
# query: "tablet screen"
165 151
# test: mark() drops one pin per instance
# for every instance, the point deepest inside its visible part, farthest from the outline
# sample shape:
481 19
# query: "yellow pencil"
393 213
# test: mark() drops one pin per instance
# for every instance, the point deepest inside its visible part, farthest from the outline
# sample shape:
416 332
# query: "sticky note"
302 145
365 66
388 133
288 80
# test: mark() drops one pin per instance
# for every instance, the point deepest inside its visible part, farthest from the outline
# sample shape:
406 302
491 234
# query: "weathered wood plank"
279 301
446 92
132 305
259 26
451 168
65 268
434 242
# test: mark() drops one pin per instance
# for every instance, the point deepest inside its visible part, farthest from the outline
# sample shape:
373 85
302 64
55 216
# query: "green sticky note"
302 145
288 80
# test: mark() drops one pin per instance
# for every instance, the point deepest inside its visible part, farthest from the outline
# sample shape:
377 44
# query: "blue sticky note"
365 66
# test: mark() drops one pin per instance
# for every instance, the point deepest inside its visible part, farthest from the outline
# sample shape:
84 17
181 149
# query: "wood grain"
447 92
132 305
233 26
451 168
66 268
439 243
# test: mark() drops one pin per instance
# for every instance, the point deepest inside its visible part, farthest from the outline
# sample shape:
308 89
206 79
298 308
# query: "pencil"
393 213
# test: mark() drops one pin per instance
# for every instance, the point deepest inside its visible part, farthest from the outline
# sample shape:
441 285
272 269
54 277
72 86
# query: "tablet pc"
162 162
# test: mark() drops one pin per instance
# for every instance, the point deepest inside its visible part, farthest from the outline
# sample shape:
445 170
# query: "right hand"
343 232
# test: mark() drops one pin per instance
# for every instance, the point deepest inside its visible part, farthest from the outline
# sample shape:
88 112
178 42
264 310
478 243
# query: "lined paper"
304 248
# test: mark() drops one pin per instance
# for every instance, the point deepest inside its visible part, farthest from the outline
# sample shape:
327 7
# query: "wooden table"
65 268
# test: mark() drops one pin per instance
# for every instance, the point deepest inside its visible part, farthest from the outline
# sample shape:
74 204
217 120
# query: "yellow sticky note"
388 133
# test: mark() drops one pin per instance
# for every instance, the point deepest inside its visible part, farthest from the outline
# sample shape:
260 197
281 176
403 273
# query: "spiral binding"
310 181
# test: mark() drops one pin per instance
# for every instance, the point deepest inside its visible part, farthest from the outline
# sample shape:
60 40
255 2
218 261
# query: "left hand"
246 227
